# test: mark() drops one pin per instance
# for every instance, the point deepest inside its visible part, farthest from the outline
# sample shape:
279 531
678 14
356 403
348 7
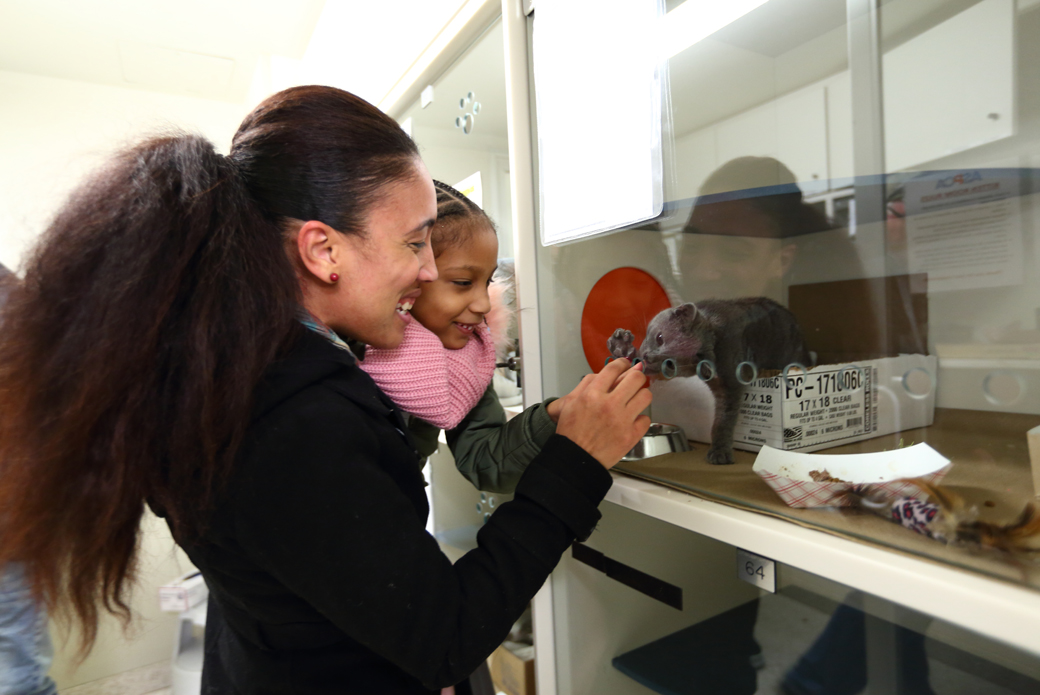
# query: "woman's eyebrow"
425 225
471 268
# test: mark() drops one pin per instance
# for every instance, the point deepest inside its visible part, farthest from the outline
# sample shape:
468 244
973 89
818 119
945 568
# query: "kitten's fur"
726 332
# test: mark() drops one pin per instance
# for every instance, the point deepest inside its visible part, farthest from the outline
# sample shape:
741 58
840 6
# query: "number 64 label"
757 570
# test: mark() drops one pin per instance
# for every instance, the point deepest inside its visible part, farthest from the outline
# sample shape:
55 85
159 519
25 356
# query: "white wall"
53 132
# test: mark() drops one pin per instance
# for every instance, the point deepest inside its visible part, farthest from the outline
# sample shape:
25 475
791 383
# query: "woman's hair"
458 219
149 311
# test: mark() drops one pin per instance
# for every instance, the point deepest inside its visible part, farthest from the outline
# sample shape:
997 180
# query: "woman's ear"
318 245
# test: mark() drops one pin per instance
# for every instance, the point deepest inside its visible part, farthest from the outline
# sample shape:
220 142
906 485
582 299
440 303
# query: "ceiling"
213 48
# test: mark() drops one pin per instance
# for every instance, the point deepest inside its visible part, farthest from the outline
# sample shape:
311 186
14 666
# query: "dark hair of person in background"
458 218
777 195
149 311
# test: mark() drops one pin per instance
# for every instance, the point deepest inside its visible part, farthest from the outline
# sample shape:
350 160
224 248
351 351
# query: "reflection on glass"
908 255
918 382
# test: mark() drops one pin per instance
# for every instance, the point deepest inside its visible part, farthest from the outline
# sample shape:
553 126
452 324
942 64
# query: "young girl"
441 373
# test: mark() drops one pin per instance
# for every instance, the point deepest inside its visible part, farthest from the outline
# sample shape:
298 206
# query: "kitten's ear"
687 312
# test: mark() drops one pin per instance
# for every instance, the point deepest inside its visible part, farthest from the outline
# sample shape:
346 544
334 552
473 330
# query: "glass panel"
865 173
461 134
812 636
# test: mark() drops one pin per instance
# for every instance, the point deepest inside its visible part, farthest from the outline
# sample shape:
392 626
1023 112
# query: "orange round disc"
623 298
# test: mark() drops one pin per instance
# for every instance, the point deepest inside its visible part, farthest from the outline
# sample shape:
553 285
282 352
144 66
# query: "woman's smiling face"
382 273
453 305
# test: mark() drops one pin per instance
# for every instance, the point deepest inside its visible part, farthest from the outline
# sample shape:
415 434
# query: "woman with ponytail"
182 339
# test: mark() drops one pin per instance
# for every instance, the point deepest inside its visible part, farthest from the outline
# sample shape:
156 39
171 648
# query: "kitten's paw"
622 344
720 456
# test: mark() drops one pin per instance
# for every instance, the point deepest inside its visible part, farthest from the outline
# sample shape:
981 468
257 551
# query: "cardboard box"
513 673
183 593
830 405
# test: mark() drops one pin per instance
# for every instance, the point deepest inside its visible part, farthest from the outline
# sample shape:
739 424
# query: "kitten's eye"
660 339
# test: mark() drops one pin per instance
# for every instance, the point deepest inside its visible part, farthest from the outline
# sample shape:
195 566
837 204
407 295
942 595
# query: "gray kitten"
719 333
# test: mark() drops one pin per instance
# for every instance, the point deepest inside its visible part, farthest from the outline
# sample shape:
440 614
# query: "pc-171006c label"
826 404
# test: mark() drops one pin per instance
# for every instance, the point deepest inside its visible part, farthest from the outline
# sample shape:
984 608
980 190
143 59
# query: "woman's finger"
611 373
583 384
631 381
633 368
640 401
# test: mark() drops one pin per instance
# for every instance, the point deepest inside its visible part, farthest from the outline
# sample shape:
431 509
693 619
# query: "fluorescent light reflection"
695 19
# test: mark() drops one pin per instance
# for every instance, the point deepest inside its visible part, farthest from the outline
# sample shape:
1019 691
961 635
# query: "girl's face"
453 305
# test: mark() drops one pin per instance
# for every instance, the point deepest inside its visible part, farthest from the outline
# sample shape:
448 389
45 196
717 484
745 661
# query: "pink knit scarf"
430 381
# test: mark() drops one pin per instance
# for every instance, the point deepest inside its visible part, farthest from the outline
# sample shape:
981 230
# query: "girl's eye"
660 339
461 283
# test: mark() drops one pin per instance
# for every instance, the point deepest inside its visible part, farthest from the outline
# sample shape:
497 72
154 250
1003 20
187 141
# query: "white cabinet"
951 88
792 129
809 130
695 159
839 129
801 137
750 134
946 90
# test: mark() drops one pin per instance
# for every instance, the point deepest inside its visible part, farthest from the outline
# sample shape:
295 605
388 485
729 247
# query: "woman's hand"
602 414
554 409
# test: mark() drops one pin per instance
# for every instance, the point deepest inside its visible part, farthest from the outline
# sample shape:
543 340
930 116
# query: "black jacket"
322 576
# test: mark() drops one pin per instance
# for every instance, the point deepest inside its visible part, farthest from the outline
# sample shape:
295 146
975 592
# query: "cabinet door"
839 129
801 137
950 88
750 134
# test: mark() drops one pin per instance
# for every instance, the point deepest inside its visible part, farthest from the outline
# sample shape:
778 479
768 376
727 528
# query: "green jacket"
491 452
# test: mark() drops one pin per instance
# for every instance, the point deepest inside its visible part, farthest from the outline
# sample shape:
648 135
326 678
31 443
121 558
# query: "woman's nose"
428 267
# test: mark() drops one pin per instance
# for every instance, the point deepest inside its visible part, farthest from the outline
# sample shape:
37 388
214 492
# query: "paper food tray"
789 473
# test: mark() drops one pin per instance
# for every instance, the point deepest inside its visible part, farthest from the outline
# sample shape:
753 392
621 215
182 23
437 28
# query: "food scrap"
824 477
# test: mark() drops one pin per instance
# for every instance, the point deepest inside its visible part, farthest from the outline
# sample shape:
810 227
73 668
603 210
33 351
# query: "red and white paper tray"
818 480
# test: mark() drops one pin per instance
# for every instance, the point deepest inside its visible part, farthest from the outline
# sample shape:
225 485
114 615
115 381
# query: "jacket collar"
311 360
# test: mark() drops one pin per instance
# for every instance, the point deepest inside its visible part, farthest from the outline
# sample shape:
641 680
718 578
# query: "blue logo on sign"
959 179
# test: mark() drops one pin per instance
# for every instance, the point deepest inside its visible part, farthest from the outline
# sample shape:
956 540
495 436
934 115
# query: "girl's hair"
458 218
149 311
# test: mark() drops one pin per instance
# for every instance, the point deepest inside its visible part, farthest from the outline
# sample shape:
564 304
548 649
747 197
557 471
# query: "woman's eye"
417 246
660 339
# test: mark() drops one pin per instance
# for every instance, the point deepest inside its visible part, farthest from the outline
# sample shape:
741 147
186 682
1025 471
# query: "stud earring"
334 277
